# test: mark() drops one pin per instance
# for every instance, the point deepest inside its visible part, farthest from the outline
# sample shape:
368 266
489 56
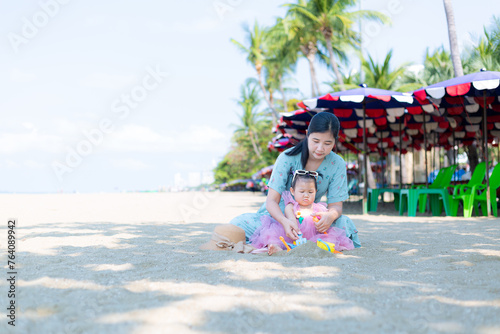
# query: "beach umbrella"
290 129
292 126
366 107
420 127
263 172
463 97
351 132
281 142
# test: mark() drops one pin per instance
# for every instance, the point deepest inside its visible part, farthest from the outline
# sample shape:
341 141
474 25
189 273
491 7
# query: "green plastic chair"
441 181
439 196
480 196
467 192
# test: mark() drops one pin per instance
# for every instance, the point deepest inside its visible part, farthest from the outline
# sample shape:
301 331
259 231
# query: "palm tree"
452 33
486 54
351 81
303 40
331 19
256 56
437 67
381 76
251 121
281 60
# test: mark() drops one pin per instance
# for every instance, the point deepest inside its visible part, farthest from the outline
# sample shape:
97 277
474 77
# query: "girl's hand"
324 222
291 228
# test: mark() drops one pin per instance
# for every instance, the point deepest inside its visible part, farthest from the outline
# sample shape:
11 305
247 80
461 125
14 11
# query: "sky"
106 96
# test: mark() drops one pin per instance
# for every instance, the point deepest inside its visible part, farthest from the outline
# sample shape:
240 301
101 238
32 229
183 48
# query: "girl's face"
304 192
320 144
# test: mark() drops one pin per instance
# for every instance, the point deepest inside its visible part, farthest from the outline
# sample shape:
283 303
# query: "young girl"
305 211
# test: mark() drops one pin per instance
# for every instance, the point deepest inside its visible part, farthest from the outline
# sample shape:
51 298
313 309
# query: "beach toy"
316 219
300 241
328 246
299 217
285 243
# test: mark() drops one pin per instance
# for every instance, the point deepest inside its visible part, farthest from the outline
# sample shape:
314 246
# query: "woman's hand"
325 221
291 228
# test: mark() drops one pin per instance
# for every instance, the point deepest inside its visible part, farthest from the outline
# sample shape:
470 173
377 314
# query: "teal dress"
332 181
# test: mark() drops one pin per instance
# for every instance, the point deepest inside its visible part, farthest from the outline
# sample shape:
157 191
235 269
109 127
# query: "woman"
314 153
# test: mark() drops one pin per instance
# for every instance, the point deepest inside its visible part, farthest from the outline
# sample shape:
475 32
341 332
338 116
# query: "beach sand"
129 263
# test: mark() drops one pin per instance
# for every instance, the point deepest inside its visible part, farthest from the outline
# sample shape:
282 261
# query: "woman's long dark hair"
321 122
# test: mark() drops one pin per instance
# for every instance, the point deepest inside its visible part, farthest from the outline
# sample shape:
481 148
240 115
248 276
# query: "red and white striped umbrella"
460 99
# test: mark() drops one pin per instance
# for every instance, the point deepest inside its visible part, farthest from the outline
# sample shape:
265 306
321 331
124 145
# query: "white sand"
129 263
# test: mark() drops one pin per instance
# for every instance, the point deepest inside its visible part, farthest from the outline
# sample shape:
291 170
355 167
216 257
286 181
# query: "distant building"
194 179
179 182
207 177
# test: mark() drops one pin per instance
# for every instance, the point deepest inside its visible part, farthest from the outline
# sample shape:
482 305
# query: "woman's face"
320 144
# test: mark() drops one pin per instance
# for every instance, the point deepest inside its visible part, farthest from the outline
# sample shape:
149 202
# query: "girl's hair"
303 177
321 122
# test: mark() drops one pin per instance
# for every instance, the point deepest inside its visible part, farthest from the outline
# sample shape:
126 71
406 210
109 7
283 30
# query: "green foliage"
255 50
381 75
292 104
334 21
249 142
241 161
487 52
437 67
235 165
351 80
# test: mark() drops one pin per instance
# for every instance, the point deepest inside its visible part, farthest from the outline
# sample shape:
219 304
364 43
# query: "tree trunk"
282 91
340 81
452 33
457 68
310 54
276 116
472 156
254 144
314 80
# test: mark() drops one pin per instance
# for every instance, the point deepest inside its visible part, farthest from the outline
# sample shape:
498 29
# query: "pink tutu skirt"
271 230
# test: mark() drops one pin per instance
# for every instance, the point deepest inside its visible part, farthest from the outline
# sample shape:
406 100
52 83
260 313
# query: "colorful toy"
300 241
299 217
328 246
316 219
285 243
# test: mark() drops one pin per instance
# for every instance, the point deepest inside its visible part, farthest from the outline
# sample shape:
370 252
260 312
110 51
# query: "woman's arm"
272 206
336 194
